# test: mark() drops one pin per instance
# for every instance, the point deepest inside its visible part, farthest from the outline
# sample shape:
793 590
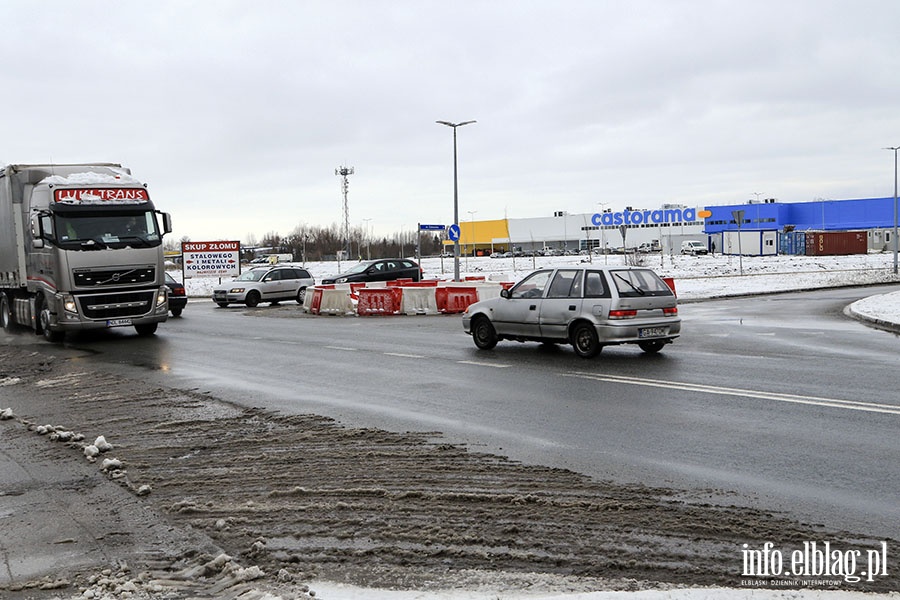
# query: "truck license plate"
647 332
118 322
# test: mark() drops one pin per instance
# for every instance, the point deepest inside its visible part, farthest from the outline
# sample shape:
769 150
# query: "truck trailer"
80 248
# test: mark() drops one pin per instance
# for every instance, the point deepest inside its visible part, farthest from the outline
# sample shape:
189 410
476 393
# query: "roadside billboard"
211 259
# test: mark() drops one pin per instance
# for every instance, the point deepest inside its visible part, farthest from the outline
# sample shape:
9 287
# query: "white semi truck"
80 248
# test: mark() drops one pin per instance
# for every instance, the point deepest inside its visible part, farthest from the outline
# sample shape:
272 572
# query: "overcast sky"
237 113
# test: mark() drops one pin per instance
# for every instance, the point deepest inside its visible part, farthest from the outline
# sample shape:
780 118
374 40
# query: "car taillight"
671 312
179 291
622 314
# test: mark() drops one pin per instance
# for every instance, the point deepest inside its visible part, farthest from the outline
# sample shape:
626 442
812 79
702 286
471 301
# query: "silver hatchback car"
264 284
586 307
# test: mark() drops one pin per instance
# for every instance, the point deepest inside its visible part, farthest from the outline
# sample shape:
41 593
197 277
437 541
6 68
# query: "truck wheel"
252 298
146 328
5 314
54 337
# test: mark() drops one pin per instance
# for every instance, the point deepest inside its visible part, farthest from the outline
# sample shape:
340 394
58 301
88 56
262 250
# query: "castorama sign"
649 217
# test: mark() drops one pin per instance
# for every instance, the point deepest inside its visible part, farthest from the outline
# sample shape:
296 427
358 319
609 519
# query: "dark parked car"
384 269
177 296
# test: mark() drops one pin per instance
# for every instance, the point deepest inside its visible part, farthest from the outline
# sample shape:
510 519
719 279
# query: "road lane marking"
481 364
341 348
401 355
726 391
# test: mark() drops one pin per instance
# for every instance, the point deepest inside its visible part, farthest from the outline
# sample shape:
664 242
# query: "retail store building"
765 227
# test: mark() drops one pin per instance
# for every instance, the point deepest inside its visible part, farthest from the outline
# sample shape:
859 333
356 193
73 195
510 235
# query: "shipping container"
833 243
792 243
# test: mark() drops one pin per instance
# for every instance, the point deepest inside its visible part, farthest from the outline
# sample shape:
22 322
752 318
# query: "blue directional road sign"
423 227
453 232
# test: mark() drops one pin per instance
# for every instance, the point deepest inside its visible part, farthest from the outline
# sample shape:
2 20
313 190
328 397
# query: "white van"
693 247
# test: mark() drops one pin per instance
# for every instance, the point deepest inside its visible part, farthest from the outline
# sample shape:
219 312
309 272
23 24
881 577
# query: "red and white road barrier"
406 297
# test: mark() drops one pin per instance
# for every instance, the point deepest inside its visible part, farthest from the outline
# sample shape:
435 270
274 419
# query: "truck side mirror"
167 222
37 233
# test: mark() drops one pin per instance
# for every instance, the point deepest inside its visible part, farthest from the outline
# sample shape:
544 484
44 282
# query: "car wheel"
301 293
483 333
176 312
585 340
222 304
146 328
652 346
252 298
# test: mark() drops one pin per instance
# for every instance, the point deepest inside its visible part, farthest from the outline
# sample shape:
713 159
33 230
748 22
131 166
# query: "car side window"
301 274
594 285
563 284
273 276
532 286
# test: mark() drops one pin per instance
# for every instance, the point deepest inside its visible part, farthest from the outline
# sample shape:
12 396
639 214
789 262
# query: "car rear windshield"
639 282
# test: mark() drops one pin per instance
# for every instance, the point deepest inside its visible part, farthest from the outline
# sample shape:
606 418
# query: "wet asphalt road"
779 402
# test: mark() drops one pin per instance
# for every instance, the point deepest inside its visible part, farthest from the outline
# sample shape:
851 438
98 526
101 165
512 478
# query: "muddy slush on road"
202 498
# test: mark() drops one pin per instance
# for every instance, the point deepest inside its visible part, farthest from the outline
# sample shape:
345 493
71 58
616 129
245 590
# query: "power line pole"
345 172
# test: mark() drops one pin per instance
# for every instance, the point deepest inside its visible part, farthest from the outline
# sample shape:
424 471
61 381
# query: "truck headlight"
69 305
161 296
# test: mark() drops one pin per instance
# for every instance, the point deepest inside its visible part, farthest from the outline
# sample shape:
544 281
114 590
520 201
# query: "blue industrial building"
875 216
821 215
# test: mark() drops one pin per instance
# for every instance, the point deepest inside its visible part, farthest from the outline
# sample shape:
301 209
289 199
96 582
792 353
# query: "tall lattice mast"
345 172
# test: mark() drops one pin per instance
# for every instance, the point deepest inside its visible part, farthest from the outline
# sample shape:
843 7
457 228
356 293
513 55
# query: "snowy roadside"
696 277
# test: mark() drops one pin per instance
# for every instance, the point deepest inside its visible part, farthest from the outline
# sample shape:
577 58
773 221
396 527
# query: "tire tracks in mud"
306 495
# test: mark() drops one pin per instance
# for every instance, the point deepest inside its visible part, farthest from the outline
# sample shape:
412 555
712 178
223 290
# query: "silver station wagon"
264 284
586 307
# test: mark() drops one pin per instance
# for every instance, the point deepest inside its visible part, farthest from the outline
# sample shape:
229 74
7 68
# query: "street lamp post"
603 206
455 195
896 241
739 218
472 227
368 239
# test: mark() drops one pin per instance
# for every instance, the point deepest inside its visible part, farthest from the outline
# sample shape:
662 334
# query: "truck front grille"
117 306
120 276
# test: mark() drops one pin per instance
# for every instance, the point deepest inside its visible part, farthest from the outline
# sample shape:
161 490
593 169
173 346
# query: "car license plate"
118 322
649 332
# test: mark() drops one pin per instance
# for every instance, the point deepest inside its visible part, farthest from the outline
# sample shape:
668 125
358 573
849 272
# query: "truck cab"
84 250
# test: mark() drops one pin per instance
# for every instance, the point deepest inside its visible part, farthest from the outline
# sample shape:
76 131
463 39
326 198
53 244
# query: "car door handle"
532 307
571 307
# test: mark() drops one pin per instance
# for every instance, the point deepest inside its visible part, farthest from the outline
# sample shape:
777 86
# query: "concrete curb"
871 320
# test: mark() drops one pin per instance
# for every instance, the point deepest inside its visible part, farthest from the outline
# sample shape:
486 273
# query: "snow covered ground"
696 277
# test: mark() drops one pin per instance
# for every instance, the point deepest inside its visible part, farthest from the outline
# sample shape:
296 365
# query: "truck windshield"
93 231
